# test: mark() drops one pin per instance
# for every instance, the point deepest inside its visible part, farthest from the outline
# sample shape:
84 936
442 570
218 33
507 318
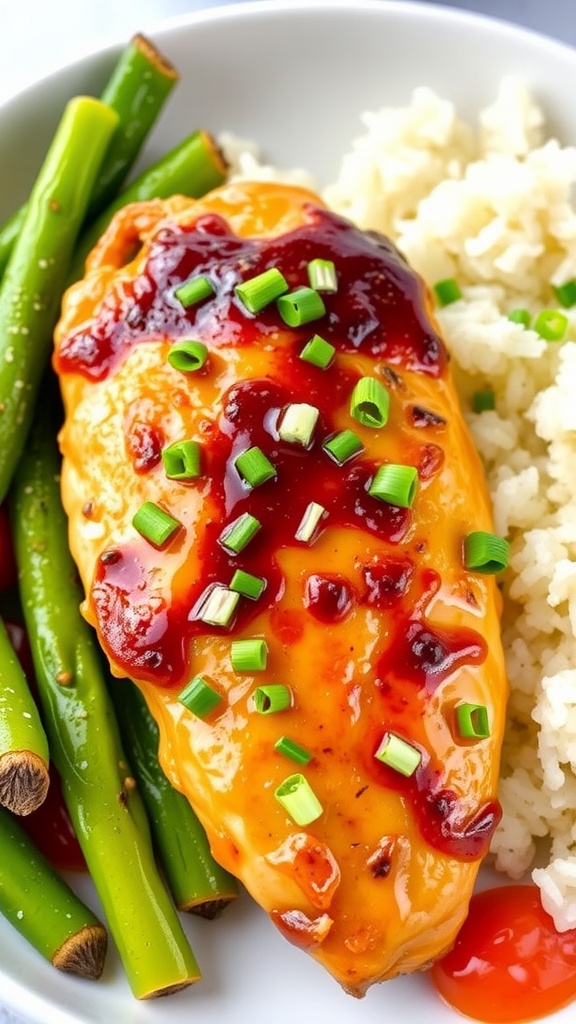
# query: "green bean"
44 909
105 808
31 288
197 882
24 754
137 89
192 168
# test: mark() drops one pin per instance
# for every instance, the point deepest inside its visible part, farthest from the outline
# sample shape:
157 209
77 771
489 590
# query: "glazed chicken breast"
273 503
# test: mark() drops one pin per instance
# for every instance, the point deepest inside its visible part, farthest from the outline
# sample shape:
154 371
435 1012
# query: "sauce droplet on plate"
508 964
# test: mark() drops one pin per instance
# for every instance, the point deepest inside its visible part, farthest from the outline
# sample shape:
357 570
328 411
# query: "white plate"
295 77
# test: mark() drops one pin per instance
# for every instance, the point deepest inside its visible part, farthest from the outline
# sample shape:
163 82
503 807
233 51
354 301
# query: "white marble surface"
37 36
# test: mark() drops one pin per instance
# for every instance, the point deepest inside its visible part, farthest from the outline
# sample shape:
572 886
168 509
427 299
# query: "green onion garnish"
254 467
238 534
292 750
219 606
270 699
310 521
194 290
370 402
483 400
261 290
300 307
520 316
566 293
485 552
249 655
318 351
188 356
155 524
181 460
551 324
447 291
395 484
322 275
472 721
299 799
398 754
343 446
247 584
199 697
298 423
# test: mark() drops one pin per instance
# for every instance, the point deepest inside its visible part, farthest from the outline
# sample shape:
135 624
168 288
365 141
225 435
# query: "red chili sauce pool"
508 965
378 308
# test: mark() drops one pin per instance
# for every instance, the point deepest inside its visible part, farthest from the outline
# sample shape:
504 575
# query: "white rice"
490 204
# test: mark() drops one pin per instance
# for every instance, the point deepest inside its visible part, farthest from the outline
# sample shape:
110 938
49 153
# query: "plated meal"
286 457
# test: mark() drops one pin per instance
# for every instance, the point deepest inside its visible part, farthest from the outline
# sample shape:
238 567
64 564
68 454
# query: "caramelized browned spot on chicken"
372 622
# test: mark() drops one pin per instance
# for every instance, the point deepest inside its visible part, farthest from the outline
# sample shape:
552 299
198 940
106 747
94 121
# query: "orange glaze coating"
375 626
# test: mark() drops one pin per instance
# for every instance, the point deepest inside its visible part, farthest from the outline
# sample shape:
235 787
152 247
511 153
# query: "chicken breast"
345 761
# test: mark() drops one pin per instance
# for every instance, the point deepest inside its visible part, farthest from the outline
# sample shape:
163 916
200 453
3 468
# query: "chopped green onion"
238 534
155 524
472 721
483 400
292 750
254 467
249 655
566 293
182 460
551 324
485 552
300 307
310 521
395 484
199 697
261 290
188 356
220 606
318 351
270 699
194 291
322 275
343 446
299 799
520 316
398 754
447 291
298 423
370 402
247 584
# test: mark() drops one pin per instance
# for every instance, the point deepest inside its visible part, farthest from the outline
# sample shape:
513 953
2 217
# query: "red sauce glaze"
8 570
156 644
379 305
430 461
19 639
52 831
379 308
387 580
328 598
509 964
426 654
300 930
144 443
441 818
426 418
